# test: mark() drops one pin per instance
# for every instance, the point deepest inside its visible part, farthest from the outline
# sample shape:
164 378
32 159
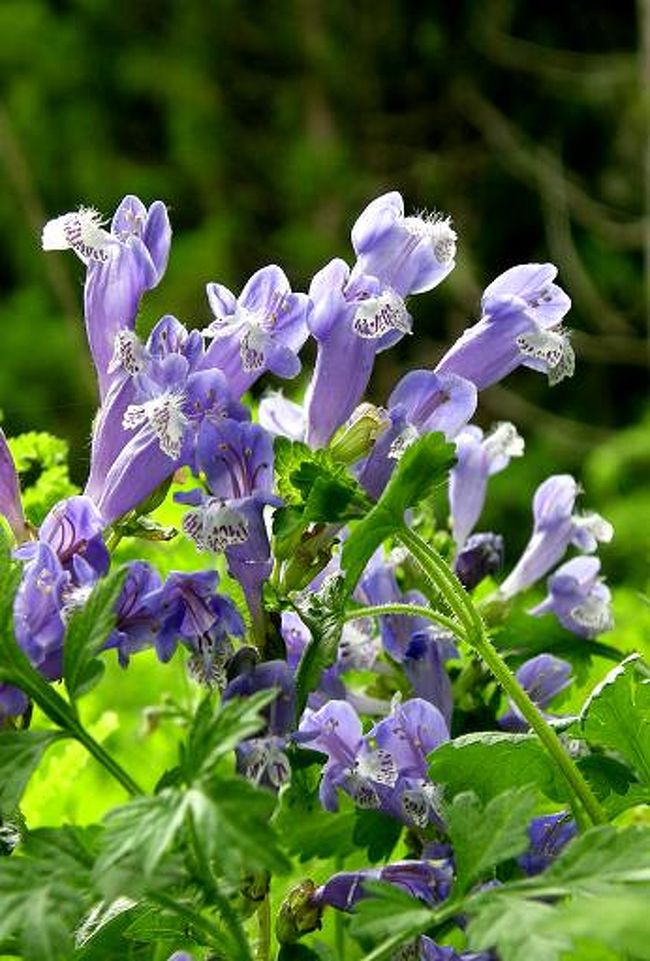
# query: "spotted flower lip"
262 329
521 316
122 264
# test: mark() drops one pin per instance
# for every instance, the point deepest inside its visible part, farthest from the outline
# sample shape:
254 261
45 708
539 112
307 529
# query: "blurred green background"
267 126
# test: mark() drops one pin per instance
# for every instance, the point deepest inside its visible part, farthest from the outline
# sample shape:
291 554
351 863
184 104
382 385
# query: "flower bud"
298 914
357 438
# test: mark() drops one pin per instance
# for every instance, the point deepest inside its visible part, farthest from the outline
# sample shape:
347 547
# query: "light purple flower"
281 713
428 950
121 265
38 610
361 312
478 457
421 402
521 314
138 611
555 527
409 254
262 329
11 507
281 417
579 598
13 702
543 678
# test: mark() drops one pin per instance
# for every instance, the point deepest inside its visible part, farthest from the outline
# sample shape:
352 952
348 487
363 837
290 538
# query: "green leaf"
617 716
389 912
87 633
322 613
42 459
491 763
44 891
482 837
605 866
421 469
20 755
215 732
306 828
377 833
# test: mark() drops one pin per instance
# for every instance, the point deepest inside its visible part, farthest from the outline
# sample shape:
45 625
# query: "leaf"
617 716
322 613
47 456
87 633
232 820
604 865
420 470
44 891
491 763
306 828
216 732
20 755
377 833
389 912
482 837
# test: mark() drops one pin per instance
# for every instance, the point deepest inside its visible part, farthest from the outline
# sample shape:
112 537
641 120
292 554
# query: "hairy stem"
264 928
411 610
476 636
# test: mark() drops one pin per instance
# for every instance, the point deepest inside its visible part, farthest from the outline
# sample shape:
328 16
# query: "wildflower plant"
385 748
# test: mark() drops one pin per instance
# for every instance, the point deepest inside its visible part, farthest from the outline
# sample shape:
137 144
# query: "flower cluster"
176 399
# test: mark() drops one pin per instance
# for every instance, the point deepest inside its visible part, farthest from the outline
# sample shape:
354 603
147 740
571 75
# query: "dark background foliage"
267 126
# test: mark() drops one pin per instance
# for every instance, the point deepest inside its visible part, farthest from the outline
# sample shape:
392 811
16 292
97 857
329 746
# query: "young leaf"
617 716
20 755
483 837
491 763
521 930
322 613
420 470
87 634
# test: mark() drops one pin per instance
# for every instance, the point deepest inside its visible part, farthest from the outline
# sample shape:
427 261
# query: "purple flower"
425 668
477 459
237 459
385 770
409 254
361 312
192 613
521 314
548 836
74 531
262 329
430 951
555 527
13 702
421 402
11 507
180 956
149 422
281 417
543 678
579 598
138 611
481 557
424 880
38 610
121 265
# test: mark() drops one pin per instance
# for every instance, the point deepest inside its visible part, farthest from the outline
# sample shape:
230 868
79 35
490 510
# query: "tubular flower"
122 263
11 507
555 527
478 457
521 316
543 678
360 312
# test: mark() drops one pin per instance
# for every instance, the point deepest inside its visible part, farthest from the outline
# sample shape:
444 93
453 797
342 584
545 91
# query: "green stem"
412 610
476 635
264 927
62 714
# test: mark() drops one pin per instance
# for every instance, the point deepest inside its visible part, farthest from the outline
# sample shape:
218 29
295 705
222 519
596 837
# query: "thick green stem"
476 635
412 610
106 760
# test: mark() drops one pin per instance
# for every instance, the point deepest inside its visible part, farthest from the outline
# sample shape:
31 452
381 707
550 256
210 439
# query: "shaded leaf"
20 755
87 633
